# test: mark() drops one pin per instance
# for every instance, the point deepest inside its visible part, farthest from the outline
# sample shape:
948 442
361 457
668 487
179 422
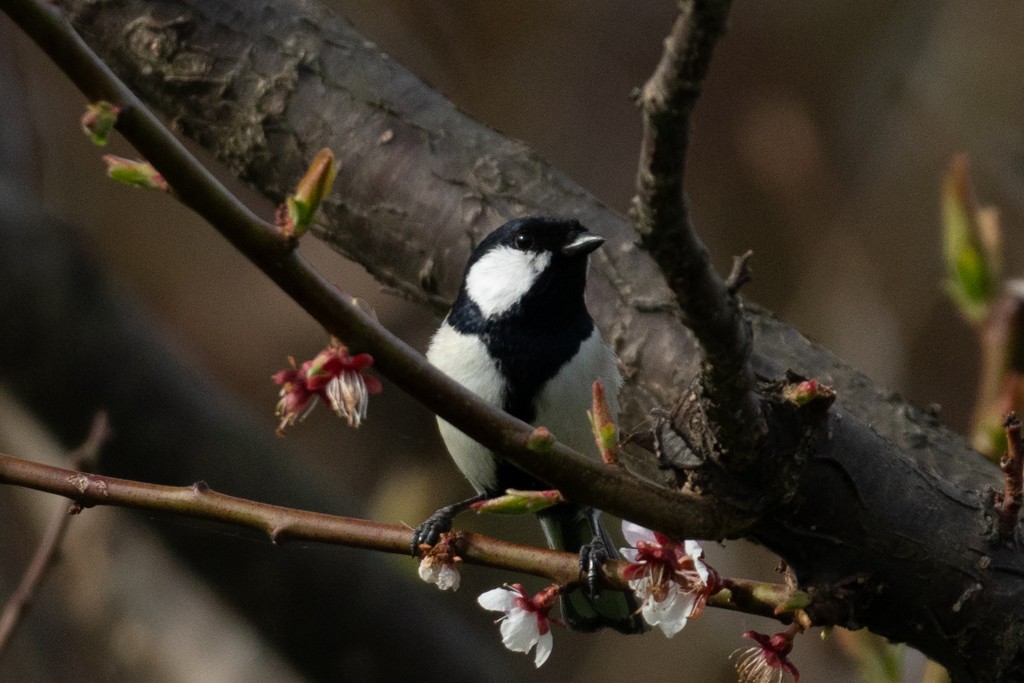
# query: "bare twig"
84 457
711 310
740 273
45 555
579 478
49 546
1008 504
282 524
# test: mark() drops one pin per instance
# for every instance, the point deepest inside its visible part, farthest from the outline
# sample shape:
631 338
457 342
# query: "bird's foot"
429 532
593 555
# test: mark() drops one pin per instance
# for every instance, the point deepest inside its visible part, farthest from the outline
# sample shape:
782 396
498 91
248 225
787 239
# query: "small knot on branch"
1008 502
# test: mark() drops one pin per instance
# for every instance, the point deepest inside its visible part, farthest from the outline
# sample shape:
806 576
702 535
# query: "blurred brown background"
820 143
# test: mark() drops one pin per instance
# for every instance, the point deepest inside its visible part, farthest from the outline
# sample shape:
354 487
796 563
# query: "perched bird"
519 335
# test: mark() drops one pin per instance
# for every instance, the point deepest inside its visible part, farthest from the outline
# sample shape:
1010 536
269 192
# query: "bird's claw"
429 532
593 555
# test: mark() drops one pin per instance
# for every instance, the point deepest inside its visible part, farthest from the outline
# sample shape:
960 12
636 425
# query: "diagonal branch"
45 555
710 308
43 558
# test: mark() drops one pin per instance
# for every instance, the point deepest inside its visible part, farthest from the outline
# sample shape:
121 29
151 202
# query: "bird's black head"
529 266
522 295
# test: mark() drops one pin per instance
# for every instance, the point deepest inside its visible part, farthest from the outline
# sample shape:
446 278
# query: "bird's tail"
569 527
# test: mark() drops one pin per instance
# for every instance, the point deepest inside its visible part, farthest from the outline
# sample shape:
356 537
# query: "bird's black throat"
531 341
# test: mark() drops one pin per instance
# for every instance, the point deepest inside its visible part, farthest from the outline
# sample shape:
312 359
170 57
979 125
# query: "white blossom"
444 575
525 623
669 578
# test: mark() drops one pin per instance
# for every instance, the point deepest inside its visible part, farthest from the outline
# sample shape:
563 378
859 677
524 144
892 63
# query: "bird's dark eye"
523 240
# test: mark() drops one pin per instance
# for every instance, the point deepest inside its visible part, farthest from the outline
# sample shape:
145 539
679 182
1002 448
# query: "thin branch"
1009 504
84 457
282 524
579 478
43 558
45 555
710 309
740 273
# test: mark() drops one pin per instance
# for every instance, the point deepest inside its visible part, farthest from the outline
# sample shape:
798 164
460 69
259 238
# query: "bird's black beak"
584 243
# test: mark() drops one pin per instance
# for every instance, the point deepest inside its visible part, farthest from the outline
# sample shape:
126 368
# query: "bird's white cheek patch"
501 277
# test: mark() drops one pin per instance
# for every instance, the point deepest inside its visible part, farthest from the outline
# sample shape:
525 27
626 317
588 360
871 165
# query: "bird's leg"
593 555
438 523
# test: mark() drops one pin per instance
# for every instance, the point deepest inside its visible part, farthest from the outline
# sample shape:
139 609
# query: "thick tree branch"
228 76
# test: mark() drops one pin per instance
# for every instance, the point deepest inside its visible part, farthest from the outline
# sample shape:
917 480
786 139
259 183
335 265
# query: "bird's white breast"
561 404
464 358
502 276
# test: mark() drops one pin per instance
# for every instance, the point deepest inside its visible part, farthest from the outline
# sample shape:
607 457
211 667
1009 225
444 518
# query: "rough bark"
888 522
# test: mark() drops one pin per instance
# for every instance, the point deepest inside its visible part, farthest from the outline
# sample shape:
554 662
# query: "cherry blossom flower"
340 376
768 661
443 575
295 399
670 579
440 564
526 622
333 376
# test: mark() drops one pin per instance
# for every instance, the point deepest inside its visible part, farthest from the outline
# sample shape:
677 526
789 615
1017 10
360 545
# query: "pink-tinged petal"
525 623
519 631
442 574
677 614
694 550
635 533
427 571
286 376
497 600
360 362
768 660
670 614
544 646
373 385
449 578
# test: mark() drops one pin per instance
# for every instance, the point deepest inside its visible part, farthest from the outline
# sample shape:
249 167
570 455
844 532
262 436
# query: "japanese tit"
519 335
